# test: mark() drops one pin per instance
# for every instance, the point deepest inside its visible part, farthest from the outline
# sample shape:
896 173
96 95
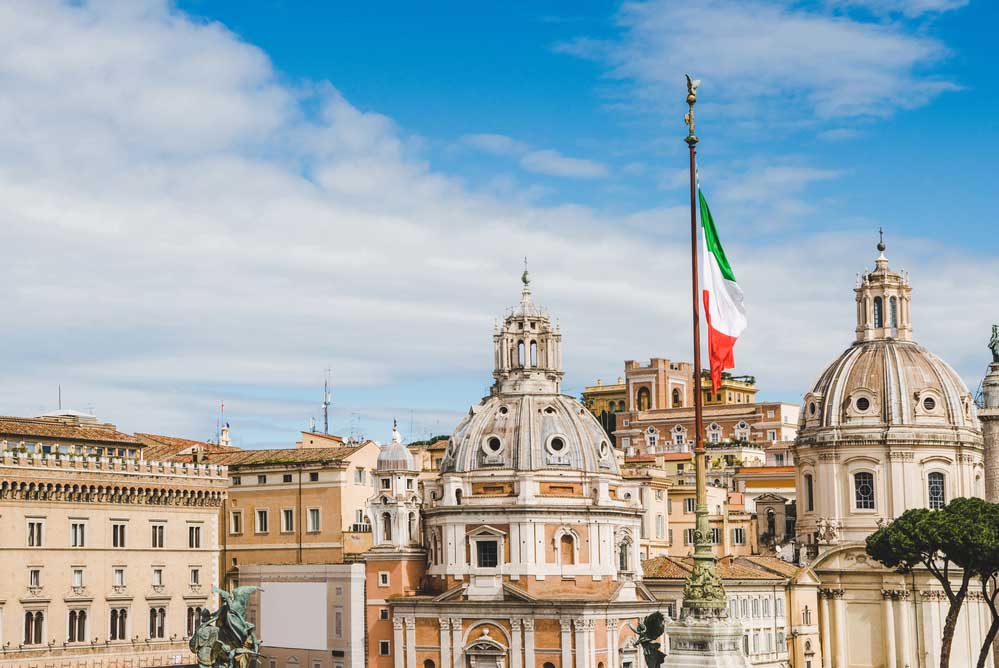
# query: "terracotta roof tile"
282 456
25 429
729 568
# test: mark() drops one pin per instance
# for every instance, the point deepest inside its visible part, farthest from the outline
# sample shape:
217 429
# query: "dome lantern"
883 298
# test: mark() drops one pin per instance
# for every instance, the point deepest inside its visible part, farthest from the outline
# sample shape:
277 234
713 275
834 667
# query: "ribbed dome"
888 383
530 432
396 456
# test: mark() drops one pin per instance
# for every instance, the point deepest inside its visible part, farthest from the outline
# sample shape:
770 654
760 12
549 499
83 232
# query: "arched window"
892 312
879 312
33 622
386 527
548 664
534 353
771 522
157 622
937 495
624 556
620 405
77 625
412 527
643 399
118 618
677 400
457 497
520 354
809 492
863 490
428 663
567 550
72 625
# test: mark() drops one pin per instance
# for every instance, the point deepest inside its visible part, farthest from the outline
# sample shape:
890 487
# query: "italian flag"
723 306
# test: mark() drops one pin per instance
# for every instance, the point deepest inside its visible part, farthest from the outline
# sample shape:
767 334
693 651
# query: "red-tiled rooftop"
62 429
729 568
282 456
164 448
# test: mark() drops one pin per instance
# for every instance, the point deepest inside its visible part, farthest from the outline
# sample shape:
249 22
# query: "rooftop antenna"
60 396
327 399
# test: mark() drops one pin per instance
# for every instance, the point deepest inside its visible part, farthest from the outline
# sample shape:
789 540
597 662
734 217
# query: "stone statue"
994 344
648 631
224 639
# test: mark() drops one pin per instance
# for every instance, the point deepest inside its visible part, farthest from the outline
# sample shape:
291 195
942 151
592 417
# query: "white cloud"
762 60
554 163
175 226
908 8
542 161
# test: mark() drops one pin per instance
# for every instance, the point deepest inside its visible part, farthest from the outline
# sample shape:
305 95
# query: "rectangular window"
118 535
286 477
382 613
194 537
35 577
236 480
660 527
157 577
338 623
487 553
679 469
779 459
409 483
195 576
733 608
386 483
262 521
287 520
313 476
779 606
77 577
359 476
689 505
863 488
383 579
716 536
739 536
756 607
158 531
771 435
78 534
236 523
313 519
261 480
670 534
384 648
34 533
119 577
688 536
359 516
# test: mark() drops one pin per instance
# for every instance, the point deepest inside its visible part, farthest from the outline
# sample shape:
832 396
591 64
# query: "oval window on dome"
550 411
863 404
504 410
929 403
603 448
811 408
494 444
557 444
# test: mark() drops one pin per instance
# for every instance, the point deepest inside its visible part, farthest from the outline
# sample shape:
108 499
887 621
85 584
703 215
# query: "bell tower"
527 349
883 298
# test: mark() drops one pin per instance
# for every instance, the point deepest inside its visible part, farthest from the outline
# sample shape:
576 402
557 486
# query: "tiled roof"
772 563
282 456
729 568
55 429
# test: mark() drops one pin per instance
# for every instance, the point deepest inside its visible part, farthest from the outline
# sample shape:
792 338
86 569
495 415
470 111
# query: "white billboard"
293 614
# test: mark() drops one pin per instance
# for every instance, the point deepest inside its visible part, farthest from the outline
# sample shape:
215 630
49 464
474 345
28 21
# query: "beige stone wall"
58 492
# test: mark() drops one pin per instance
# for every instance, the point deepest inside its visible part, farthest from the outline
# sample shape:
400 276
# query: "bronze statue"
994 344
224 639
648 631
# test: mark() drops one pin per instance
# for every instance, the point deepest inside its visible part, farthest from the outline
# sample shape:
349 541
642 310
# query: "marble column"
825 611
612 626
840 626
529 643
931 638
515 651
445 624
891 651
905 624
566 641
457 651
579 626
410 642
397 646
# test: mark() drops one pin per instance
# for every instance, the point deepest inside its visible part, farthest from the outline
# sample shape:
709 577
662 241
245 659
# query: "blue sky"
208 200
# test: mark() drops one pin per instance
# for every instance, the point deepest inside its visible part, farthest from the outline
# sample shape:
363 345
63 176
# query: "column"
905 621
824 612
566 642
528 643
579 625
842 634
887 601
515 643
397 642
931 638
445 642
612 626
457 653
410 642
591 642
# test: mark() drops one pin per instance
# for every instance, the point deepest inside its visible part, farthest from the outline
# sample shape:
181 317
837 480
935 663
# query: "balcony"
360 527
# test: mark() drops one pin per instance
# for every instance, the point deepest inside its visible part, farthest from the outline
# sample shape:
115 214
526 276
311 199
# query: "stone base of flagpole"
706 642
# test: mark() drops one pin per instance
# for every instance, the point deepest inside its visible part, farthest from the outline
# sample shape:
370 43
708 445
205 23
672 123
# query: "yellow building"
108 557
733 389
602 398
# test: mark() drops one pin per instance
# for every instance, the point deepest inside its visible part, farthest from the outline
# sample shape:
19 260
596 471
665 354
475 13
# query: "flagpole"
703 595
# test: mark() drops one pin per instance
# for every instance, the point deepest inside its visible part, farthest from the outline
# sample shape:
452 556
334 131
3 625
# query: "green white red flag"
723 307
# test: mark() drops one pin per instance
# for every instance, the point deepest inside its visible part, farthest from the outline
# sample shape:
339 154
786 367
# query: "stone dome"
395 456
530 432
889 383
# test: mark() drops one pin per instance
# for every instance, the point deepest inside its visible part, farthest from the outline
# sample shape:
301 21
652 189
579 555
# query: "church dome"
395 456
885 383
530 432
